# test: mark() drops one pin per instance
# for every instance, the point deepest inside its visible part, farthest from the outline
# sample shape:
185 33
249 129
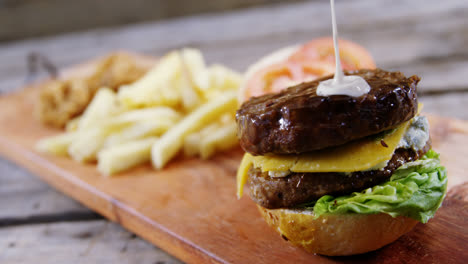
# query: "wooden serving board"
190 209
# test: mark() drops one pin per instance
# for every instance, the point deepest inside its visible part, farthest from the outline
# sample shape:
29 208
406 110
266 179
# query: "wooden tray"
190 209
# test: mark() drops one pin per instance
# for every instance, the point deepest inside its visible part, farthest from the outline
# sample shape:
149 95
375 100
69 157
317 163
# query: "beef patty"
300 188
297 120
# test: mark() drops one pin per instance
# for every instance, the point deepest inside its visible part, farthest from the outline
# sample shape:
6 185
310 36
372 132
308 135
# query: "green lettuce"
415 190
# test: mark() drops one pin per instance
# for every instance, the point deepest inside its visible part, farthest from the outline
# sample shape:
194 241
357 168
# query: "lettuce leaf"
415 190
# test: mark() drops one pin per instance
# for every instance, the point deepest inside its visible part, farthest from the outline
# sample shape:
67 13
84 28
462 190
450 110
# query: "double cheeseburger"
341 175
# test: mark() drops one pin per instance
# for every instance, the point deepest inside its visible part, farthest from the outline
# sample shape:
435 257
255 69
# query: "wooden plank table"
38 224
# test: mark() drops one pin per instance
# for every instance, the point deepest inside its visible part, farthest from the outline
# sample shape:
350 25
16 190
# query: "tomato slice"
311 61
353 56
264 80
279 76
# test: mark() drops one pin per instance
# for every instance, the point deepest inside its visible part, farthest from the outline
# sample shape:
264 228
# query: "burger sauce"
341 84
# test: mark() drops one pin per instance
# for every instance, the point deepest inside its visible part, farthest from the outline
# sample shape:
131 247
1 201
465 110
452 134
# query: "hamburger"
341 175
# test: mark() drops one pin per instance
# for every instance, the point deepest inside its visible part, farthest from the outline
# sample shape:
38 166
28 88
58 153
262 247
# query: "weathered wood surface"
423 37
77 242
25 197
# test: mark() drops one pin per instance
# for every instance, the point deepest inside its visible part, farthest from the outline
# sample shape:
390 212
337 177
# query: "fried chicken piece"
62 100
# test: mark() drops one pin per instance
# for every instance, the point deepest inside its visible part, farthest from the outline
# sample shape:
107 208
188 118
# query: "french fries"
221 79
72 125
104 104
193 140
87 144
121 157
57 145
178 105
223 138
197 71
141 115
190 96
218 136
146 128
151 90
171 142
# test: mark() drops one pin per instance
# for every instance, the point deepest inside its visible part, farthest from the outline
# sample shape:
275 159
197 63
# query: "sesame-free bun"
337 235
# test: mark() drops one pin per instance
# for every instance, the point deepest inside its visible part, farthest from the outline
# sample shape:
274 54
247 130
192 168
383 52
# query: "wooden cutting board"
190 209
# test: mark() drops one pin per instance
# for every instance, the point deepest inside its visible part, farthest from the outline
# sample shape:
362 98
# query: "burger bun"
337 235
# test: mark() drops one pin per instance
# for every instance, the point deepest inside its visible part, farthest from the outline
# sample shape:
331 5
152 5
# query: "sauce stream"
341 84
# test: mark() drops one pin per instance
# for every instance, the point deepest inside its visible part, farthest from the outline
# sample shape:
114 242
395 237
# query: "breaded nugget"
62 100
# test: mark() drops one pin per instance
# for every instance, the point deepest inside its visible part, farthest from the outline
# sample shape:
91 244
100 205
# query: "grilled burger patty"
300 188
297 120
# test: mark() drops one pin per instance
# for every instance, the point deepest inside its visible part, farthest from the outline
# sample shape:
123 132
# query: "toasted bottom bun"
337 235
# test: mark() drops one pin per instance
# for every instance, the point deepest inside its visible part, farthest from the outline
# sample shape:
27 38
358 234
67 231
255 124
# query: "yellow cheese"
241 178
275 162
354 156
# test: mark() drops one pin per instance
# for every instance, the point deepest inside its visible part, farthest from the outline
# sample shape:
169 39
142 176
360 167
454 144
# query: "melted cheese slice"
358 155
242 176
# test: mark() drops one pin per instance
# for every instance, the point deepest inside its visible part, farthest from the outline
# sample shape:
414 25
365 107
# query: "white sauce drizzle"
341 84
